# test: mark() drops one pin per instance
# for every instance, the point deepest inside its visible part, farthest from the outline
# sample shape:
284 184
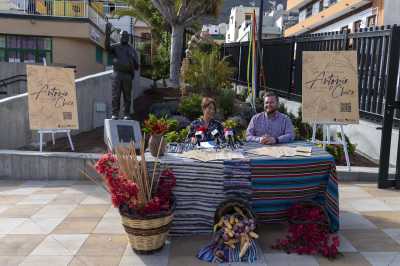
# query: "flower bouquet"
145 200
156 128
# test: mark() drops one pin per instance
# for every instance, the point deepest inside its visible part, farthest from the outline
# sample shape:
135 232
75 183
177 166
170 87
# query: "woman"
206 124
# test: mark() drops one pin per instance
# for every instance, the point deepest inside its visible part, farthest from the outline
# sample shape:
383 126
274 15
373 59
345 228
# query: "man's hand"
267 140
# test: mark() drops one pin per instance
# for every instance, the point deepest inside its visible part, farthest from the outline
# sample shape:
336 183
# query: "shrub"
206 73
175 136
226 101
303 131
191 106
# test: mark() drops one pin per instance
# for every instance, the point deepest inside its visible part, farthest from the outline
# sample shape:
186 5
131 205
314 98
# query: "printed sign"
51 98
330 87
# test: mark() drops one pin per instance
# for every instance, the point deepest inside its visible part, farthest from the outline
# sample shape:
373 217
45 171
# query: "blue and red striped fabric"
279 183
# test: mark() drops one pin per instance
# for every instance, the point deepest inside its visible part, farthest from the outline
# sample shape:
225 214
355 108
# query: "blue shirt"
278 126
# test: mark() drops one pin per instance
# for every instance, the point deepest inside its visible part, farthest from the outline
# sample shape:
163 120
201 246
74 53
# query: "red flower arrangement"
309 233
125 192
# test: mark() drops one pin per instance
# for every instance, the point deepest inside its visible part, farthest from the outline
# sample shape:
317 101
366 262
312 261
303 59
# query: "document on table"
282 151
207 155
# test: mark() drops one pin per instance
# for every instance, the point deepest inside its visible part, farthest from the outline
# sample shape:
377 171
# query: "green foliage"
226 101
337 150
191 106
175 136
145 11
160 64
207 73
241 135
230 124
156 125
303 131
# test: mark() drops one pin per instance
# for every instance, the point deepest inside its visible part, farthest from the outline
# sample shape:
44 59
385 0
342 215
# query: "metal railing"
55 8
63 8
285 78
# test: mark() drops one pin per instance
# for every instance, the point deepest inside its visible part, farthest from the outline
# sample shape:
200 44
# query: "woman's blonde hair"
206 102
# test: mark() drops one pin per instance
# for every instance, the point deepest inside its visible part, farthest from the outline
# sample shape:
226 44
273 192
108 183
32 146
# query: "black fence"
281 68
378 55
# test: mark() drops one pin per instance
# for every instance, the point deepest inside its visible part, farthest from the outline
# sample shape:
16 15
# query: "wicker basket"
227 207
147 234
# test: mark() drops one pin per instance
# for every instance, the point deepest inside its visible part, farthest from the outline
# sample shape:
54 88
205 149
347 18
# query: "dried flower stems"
136 170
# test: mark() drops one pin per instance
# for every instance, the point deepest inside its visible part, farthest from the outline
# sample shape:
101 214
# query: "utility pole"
259 38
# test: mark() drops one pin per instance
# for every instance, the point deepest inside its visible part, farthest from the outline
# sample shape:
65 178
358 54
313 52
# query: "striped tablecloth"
199 190
278 183
271 184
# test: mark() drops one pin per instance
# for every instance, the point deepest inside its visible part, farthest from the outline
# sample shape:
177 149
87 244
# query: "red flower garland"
311 236
124 190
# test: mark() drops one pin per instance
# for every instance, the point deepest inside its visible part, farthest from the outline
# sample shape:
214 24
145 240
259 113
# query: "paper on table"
207 155
280 151
207 145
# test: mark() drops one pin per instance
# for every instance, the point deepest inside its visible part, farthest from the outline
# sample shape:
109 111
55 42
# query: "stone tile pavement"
73 223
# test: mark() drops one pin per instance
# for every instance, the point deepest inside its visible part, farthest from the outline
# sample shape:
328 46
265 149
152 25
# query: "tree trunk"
176 54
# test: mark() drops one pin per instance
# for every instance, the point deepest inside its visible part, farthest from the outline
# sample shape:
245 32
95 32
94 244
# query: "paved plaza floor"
73 223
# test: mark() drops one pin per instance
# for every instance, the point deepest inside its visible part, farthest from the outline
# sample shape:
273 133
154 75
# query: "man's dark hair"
271 94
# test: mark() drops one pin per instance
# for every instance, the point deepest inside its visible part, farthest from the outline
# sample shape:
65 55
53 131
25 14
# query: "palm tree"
178 15
181 14
145 11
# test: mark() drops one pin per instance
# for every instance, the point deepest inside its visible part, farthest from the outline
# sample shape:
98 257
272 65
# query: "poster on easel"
52 100
330 87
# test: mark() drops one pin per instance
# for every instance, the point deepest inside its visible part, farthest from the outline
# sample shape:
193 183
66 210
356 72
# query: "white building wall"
211 29
236 18
363 15
391 12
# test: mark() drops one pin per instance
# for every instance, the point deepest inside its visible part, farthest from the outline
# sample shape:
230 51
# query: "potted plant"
144 198
229 128
156 128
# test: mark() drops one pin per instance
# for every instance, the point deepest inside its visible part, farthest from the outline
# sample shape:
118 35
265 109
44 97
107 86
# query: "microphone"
216 135
199 136
229 135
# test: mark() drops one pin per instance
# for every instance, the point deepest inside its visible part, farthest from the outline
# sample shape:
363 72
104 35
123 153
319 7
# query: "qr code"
67 115
345 107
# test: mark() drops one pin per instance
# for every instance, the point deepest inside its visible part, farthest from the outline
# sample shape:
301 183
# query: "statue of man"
125 62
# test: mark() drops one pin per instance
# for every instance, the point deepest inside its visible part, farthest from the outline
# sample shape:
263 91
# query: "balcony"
334 11
294 5
60 8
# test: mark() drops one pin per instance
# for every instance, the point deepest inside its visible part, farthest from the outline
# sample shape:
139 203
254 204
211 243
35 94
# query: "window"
99 55
315 8
371 21
247 16
309 11
344 29
109 59
326 3
357 25
302 15
25 49
2 47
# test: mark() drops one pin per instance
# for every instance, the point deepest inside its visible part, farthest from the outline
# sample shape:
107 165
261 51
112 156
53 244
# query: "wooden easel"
327 139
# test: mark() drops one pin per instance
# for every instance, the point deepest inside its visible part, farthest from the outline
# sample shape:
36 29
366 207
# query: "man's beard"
270 112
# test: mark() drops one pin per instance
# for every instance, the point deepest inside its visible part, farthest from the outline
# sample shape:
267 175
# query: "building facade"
240 21
67 33
316 16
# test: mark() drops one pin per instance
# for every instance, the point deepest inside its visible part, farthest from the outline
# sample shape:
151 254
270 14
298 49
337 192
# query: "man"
125 62
271 126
